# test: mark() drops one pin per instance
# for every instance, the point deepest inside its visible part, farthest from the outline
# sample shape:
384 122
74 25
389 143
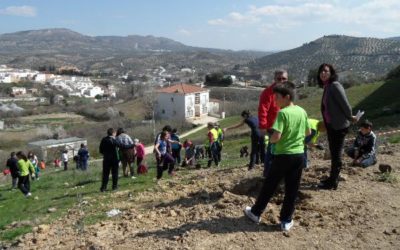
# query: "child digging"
363 150
290 128
163 152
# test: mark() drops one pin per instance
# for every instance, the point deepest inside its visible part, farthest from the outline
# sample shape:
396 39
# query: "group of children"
167 149
23 168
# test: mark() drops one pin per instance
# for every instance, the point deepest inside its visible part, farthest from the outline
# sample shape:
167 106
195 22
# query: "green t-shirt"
292 123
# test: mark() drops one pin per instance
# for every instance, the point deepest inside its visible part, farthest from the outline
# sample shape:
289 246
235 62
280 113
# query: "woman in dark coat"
337 115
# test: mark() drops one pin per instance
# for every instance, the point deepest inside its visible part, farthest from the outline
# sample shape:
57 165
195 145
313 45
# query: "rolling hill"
365 57
59 47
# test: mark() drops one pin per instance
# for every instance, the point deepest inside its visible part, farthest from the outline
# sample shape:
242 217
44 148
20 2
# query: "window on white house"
204 109
197 98
172 99
189 113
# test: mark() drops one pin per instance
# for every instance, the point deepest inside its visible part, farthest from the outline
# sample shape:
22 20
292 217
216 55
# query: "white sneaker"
133 177
286 226
28 195
251 216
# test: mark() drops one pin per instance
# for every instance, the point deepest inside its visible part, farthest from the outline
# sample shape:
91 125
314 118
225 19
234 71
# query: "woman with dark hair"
337 116
257 140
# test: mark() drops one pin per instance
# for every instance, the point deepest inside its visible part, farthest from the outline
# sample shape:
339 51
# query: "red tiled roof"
182 88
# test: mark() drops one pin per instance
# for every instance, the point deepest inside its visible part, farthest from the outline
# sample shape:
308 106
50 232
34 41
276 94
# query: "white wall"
182 106
170 106
189 106
204 106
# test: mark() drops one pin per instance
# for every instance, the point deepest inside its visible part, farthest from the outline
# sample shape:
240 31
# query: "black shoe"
102 190
115 188
328 184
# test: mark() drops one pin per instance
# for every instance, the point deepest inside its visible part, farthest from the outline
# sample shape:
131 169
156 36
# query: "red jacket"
267 108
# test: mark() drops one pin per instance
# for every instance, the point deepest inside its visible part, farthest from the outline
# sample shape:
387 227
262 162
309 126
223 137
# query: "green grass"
388 177
201 135
62 190
13 233
66 189
394 139
51 120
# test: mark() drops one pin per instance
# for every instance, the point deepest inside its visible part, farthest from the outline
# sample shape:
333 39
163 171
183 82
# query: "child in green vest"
290 128
212 149
316 127
25 168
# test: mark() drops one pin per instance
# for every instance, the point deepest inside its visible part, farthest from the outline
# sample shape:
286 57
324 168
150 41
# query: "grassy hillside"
66 189
379 101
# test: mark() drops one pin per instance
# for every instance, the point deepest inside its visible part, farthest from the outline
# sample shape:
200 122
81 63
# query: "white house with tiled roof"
182 101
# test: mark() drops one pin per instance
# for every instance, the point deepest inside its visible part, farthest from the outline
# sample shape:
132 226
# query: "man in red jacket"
267 112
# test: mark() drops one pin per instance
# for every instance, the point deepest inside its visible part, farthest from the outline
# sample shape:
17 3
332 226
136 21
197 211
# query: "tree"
394 73
312 77
218 79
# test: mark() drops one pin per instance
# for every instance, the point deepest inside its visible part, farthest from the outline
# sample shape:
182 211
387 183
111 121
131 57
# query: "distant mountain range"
365 57
60 47
394 38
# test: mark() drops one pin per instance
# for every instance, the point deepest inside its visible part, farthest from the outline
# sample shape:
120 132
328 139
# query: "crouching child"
363 149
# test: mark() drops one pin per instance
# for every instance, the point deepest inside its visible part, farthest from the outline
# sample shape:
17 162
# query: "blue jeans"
365 162
213 151
83 165
268 156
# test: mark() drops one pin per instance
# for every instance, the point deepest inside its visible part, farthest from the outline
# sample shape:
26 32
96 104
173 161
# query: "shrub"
388 177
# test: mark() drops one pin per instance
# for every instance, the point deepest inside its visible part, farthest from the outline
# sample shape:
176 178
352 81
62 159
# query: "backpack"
142 169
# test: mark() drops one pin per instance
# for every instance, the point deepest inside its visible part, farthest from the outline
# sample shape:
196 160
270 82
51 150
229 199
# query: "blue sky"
226 24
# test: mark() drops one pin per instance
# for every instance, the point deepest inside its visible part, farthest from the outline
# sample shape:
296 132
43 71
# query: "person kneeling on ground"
290 129
310 141
190 152
363 149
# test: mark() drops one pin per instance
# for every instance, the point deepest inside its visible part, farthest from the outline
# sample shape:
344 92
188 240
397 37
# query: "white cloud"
24 11
184 32
235 19
381 15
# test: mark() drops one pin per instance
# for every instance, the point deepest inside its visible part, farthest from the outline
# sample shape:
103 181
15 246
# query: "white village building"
182 101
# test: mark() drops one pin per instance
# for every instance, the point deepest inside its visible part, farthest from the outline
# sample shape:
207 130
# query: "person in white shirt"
64 159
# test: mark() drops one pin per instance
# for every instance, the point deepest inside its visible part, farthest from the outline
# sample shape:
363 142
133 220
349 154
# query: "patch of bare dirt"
207 213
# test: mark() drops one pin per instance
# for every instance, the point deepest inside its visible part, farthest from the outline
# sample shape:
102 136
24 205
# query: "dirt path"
204 211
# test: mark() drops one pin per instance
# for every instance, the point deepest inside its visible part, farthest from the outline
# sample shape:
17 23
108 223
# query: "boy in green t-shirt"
290 128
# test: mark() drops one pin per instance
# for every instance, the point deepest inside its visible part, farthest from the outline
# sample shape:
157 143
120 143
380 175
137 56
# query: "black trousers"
24 184
336 143
176 153
213 154
257 150
165 162
289 168
110 166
